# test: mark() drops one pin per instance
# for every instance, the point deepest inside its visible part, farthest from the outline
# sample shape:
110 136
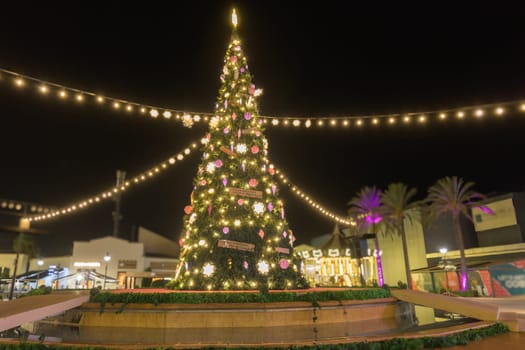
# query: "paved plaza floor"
508 341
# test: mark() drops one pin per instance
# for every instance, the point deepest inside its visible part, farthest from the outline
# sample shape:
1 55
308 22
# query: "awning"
32 276
471 265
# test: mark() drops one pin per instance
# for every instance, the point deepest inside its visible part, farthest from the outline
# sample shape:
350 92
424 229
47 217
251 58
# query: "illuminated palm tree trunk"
463 261
380 277
405 256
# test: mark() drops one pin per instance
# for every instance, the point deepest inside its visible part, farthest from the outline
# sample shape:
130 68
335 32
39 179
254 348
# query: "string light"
494 109
188 118
17 206
107 194
312 203
62 92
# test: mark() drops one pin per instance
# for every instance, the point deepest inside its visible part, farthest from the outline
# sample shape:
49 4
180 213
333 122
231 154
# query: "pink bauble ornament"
233 59
251 89
258 133
240 201
255 149
242 70
226 130
218 163
252 182
208 136
285 234
245 265
247 115
226 230
203 182
188 209
271 171
270 206
181 242
261 233
234 116
283 264
225 181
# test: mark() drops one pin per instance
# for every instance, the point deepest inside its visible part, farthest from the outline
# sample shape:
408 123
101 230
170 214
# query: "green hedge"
255 297
460 338
38 291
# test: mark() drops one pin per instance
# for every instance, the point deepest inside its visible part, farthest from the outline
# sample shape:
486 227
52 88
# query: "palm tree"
453 195
364 207
397 206
28 246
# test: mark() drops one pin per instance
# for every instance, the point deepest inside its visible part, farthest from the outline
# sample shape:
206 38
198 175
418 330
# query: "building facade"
106 262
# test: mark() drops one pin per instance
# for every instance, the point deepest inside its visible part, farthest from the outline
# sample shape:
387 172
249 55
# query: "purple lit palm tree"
364 208
397 206
453 195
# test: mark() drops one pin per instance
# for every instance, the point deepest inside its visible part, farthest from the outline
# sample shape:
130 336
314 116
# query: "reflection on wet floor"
228 335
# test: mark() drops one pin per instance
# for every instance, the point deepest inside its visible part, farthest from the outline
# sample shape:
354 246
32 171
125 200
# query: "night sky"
336 60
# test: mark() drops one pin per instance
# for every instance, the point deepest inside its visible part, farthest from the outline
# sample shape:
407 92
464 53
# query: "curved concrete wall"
244 315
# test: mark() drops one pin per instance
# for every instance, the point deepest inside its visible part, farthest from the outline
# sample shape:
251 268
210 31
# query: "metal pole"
116 214
13 279
107 258
23 225
105 274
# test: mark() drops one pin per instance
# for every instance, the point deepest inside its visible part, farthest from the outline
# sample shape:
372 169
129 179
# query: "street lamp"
107 258
40 262
443 252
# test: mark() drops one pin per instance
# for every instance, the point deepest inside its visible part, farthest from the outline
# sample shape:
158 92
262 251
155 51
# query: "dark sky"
326 59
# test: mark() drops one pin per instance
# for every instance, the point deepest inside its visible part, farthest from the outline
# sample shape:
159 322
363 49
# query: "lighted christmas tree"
235 234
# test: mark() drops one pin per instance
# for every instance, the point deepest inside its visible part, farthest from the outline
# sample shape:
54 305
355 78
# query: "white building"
108 262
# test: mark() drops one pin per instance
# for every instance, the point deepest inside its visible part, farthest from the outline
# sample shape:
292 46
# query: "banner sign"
249 131
249 247
508 279
282 250
228 151
245 192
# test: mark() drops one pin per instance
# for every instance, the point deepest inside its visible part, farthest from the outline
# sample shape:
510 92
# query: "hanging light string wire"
109 193
68 93
188 118
311 202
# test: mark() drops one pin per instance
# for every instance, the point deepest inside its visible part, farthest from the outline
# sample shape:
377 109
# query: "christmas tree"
235 235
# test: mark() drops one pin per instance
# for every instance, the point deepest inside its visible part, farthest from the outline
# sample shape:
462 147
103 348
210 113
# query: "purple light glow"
486 210
373 218
380 270
463 282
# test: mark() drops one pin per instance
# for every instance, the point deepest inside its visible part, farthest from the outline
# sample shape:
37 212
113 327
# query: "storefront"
337 267
489 278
